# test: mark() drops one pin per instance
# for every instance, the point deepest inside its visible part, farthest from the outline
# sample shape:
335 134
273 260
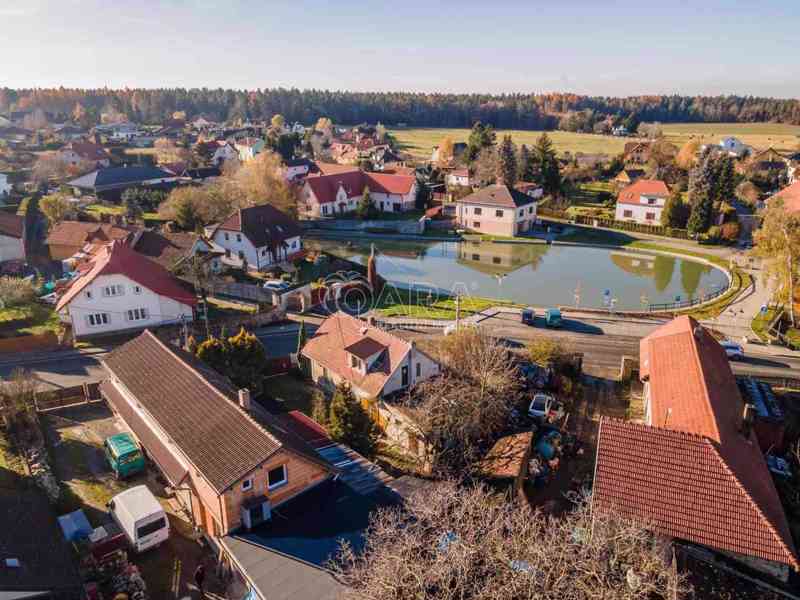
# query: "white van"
141 517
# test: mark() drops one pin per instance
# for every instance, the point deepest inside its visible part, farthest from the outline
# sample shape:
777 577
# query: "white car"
733 350
545 406
275 285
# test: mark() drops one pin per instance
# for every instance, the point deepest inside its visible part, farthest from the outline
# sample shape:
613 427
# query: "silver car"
733 350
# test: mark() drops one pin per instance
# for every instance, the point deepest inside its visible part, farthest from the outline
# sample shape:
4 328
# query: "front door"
404 375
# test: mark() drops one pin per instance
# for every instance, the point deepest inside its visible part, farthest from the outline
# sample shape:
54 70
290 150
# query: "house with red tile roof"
694 470
642 202
70 237
12 237
374 362
118 289
341 193
84 152
257 238
790 196
229 461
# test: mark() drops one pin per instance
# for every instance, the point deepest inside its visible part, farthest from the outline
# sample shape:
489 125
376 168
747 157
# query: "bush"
15 291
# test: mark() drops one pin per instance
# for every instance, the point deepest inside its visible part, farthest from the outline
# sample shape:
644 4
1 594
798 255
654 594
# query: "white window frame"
137 289
98 319
114 290
281 483
247 484
137 314
499 213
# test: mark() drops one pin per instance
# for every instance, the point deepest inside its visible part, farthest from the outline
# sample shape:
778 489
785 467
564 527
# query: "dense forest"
507 111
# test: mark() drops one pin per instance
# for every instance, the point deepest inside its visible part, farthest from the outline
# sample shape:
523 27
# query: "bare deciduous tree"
450 543
469 403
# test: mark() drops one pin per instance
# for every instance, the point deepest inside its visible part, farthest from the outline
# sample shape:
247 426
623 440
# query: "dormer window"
356 362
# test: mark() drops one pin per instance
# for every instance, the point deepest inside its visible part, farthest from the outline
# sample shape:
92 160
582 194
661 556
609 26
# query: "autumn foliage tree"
777 241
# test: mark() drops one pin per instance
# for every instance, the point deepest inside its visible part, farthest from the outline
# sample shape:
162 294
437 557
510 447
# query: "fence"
688 303
681 234
79 394
242 291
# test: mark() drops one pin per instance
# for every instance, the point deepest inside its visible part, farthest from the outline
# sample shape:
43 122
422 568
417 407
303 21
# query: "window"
530 210
294 244
241 255
137 289
136 314
263 252
110 291
476 257
650 216
325 210
498 213
522 213
627 214
651 200
227 237
97 319
238 237
419 369
477 210
88 294
496 260
247 484
149 528
476 224
227 253
355 362
276 477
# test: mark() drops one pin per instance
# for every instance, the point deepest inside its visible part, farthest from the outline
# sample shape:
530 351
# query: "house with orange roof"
118 289
790 196
694 471
84 152
342 192
642 202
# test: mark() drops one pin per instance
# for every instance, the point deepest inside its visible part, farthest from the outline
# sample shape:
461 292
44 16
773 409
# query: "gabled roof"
498 195
636 147
325 187
643 187
11 225
89 151
790 196
263 225
329 347
168 248
693 473
116 258
77 233
365 347
198 409
119 176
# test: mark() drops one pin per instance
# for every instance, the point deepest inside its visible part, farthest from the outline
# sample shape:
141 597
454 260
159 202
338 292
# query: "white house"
497 210
297 168
642 202
374 362
83 152
118 289
248 148
224 153
458 177
734 146
297 128
341 193
257 238
12 237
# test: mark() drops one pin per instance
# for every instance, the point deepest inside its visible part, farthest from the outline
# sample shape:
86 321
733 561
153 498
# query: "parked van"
552 317
123 455
141 517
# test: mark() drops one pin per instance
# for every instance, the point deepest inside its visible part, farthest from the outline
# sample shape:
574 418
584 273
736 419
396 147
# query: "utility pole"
458 311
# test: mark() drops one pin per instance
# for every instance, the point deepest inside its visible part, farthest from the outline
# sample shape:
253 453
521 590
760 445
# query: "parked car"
528 316
733 350
450 329
140 517
123 455
544 406
275 285
552 317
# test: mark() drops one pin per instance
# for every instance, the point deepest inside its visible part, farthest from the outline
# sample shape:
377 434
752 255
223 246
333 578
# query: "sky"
596 47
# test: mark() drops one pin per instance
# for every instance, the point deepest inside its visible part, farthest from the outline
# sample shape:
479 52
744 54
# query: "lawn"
294 393
761 322
419 142
29 319
398 302
102 209
587 200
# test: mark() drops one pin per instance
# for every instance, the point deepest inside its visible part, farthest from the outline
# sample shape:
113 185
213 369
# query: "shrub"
15 291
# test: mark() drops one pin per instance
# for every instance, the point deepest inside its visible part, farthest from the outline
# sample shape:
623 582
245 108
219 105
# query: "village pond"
537 274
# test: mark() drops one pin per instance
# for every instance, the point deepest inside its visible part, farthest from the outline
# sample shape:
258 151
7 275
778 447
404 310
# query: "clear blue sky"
599 47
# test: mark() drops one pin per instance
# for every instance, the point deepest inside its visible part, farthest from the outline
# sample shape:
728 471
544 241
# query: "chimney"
748 417
244 398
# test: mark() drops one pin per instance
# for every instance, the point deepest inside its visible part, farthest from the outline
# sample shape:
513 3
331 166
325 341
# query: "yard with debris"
75 440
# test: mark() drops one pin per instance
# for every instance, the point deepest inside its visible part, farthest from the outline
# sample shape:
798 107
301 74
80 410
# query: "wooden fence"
59 398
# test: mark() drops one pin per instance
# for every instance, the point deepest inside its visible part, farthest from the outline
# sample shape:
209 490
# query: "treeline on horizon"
506 111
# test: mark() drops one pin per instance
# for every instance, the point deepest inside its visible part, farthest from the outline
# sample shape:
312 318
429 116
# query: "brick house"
642 202
497 210
229 461
694 470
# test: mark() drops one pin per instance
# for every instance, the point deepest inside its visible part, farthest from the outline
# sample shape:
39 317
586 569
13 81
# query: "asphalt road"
603 341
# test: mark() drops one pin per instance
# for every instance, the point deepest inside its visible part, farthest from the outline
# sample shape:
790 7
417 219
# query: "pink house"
497 210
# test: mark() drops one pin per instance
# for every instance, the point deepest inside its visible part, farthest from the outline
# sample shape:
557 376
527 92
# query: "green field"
419 142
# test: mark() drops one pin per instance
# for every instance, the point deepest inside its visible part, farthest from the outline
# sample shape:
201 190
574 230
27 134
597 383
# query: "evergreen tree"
507 162
365 209
726 185
350 424
482 136
527 165
214 352
547 161
675 211
700 217
246 361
